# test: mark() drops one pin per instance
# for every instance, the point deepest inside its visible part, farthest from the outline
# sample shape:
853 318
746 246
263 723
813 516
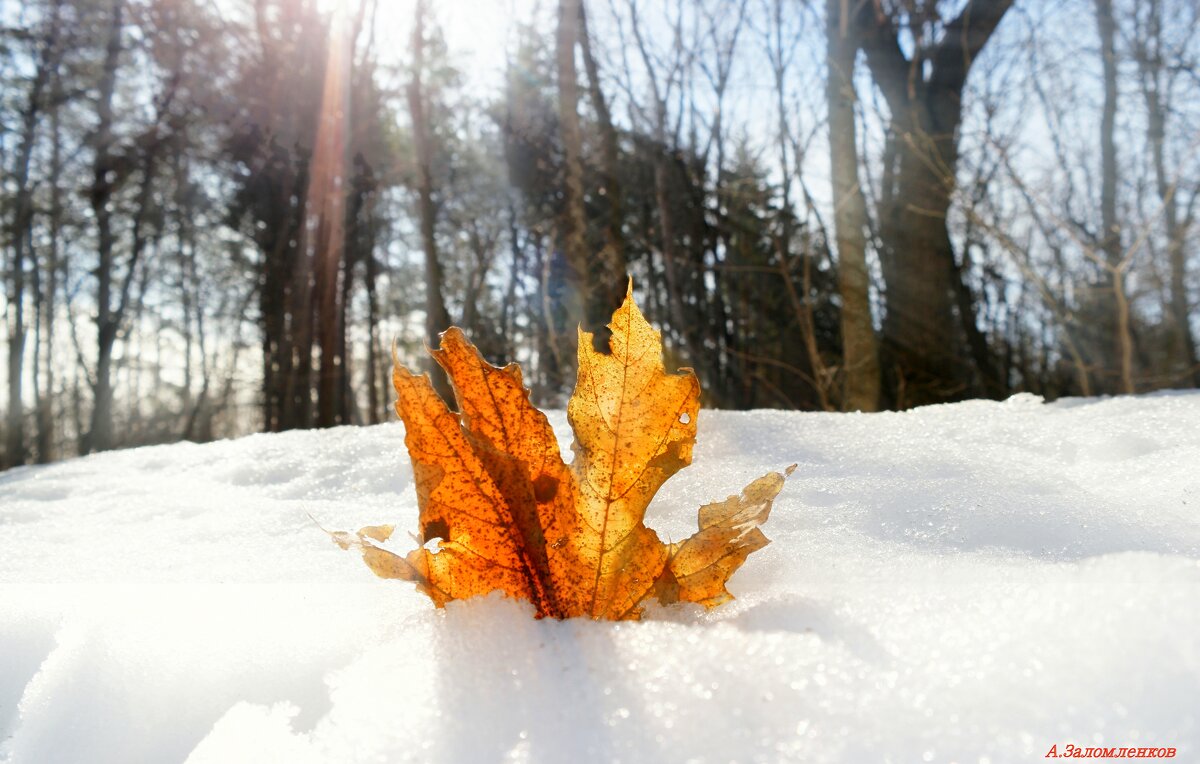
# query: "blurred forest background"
218 215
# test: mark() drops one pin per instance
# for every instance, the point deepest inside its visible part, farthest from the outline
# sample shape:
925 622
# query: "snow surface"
967 583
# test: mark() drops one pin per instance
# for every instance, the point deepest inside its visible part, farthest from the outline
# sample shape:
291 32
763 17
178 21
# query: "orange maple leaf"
508 514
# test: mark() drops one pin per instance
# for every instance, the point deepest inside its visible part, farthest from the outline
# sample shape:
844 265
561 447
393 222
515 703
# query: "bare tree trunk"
1110 235
104 181
374 405
297 410
144 233
666 233
1110 229
483 249
22 221
189 300
662 202
327 204
1150 63
20 233
38 329
577 300
860 355
45 412
361 242
345 409
199 422
611 266
437 318
924 96
284 274
1124 332
507 309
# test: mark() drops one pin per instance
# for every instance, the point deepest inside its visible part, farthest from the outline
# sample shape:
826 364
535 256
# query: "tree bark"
361 242
576 296
20 233
45 415
611 267
327 205
1110 235
105 176
860 354
1120 345
437 318
1183 344
374 406
924 96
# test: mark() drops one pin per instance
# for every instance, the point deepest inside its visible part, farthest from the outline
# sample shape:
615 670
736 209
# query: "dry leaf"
506 512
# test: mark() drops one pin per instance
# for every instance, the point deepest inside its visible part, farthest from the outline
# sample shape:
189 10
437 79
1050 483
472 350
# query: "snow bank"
968 583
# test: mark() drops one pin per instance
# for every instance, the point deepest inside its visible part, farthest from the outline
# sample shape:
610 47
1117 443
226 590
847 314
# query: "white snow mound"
966 583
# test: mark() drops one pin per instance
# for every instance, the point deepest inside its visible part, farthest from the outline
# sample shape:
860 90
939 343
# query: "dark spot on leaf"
435 529
545 488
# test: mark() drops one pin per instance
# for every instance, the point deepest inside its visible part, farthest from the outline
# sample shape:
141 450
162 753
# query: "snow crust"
966 583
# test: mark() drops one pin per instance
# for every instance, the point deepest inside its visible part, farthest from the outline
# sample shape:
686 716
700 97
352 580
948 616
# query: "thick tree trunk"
297 399
860 354
575 294
1119 347
437 318
360 246
327 204
920 324
923 333
276 352
283 262
107 331
610 268
1183 343
104 179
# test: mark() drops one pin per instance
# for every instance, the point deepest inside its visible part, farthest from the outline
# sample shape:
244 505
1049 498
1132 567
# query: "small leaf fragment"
729 533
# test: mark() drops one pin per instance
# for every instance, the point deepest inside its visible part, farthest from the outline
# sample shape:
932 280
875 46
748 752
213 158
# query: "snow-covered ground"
966 583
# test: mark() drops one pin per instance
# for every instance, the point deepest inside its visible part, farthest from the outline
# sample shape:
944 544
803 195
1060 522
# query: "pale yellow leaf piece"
729 532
